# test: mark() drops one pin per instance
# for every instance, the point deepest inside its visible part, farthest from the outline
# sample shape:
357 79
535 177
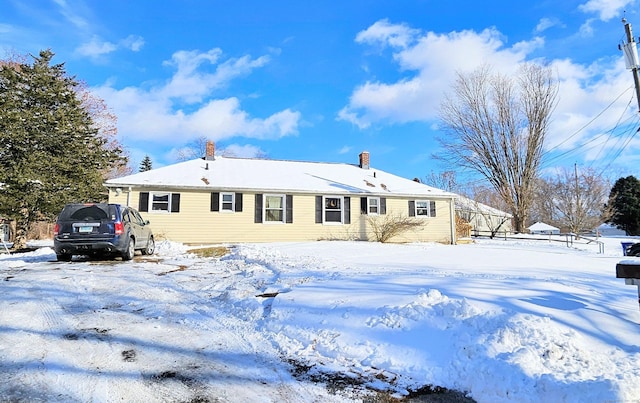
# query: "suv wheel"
151 247
130 251
63 257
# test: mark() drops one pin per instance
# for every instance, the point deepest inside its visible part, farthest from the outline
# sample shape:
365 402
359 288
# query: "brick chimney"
364 160
210 151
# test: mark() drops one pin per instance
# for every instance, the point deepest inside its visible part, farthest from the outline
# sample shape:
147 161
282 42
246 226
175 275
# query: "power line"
633 130
581 147
590 122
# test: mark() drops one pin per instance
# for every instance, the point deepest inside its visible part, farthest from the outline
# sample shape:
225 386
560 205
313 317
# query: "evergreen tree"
624 200
145 165
50 153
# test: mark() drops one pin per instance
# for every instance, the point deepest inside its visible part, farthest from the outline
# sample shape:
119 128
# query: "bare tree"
445 180
106 122
579 199
195 149
543 207
485 195
496 126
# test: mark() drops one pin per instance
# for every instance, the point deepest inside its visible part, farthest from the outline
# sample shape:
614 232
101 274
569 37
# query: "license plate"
85 229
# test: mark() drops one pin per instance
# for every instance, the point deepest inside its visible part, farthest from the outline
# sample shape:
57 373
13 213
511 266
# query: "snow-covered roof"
540 226
466 204
229 173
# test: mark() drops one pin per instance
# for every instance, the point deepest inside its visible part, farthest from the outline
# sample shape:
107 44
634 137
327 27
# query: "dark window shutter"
412 208
175 202
215 201
289 212
258 213
143 203
318 209
383 205
238 201
347 210
364 206
432 209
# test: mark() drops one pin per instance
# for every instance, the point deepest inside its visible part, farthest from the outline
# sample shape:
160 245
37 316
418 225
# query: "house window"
274 207
333 210
159 202
227 201
425 208
373 205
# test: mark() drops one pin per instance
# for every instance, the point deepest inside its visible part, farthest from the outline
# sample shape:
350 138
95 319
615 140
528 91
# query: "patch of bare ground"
348 384
212 251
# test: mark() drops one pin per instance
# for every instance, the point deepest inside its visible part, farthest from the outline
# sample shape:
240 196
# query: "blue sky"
325 80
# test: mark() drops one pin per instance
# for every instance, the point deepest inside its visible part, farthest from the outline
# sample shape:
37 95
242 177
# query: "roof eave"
267 190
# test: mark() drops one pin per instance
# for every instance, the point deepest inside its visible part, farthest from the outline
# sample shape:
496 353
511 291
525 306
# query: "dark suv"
100 228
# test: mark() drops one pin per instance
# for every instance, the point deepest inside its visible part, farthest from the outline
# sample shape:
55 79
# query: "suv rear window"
83 212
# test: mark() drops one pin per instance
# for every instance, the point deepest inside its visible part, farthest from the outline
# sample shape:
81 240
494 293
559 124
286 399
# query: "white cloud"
95 48
345 150
433 59
606 9
546 23
383 33
154 114
133 43
430 63
191 85
586 29
71 12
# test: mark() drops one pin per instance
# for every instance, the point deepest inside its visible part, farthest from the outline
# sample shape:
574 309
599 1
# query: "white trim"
428 208
377 206
221 202
150 208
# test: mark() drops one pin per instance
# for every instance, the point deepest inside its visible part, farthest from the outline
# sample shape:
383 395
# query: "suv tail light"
119 228
56 229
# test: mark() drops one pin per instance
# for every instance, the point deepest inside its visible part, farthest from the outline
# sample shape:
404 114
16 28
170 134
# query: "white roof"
265 175
540 226
466 204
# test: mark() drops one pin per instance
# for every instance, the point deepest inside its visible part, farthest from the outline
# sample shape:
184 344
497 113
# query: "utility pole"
631 57
578 221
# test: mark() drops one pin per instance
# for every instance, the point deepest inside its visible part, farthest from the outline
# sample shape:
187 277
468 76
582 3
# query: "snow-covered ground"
501 320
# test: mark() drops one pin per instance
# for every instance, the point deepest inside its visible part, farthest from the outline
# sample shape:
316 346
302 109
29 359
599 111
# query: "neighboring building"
541 228
5 231
221 199
484 220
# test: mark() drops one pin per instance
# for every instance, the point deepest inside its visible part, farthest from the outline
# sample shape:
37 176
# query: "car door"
143 227
130 222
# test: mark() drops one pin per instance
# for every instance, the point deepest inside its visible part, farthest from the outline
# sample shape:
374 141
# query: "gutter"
452 212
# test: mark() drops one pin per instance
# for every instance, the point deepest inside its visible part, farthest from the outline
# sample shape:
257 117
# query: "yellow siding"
196 224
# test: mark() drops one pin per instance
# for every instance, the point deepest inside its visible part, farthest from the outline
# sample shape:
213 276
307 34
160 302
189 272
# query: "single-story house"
541 228
220 199
484 220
